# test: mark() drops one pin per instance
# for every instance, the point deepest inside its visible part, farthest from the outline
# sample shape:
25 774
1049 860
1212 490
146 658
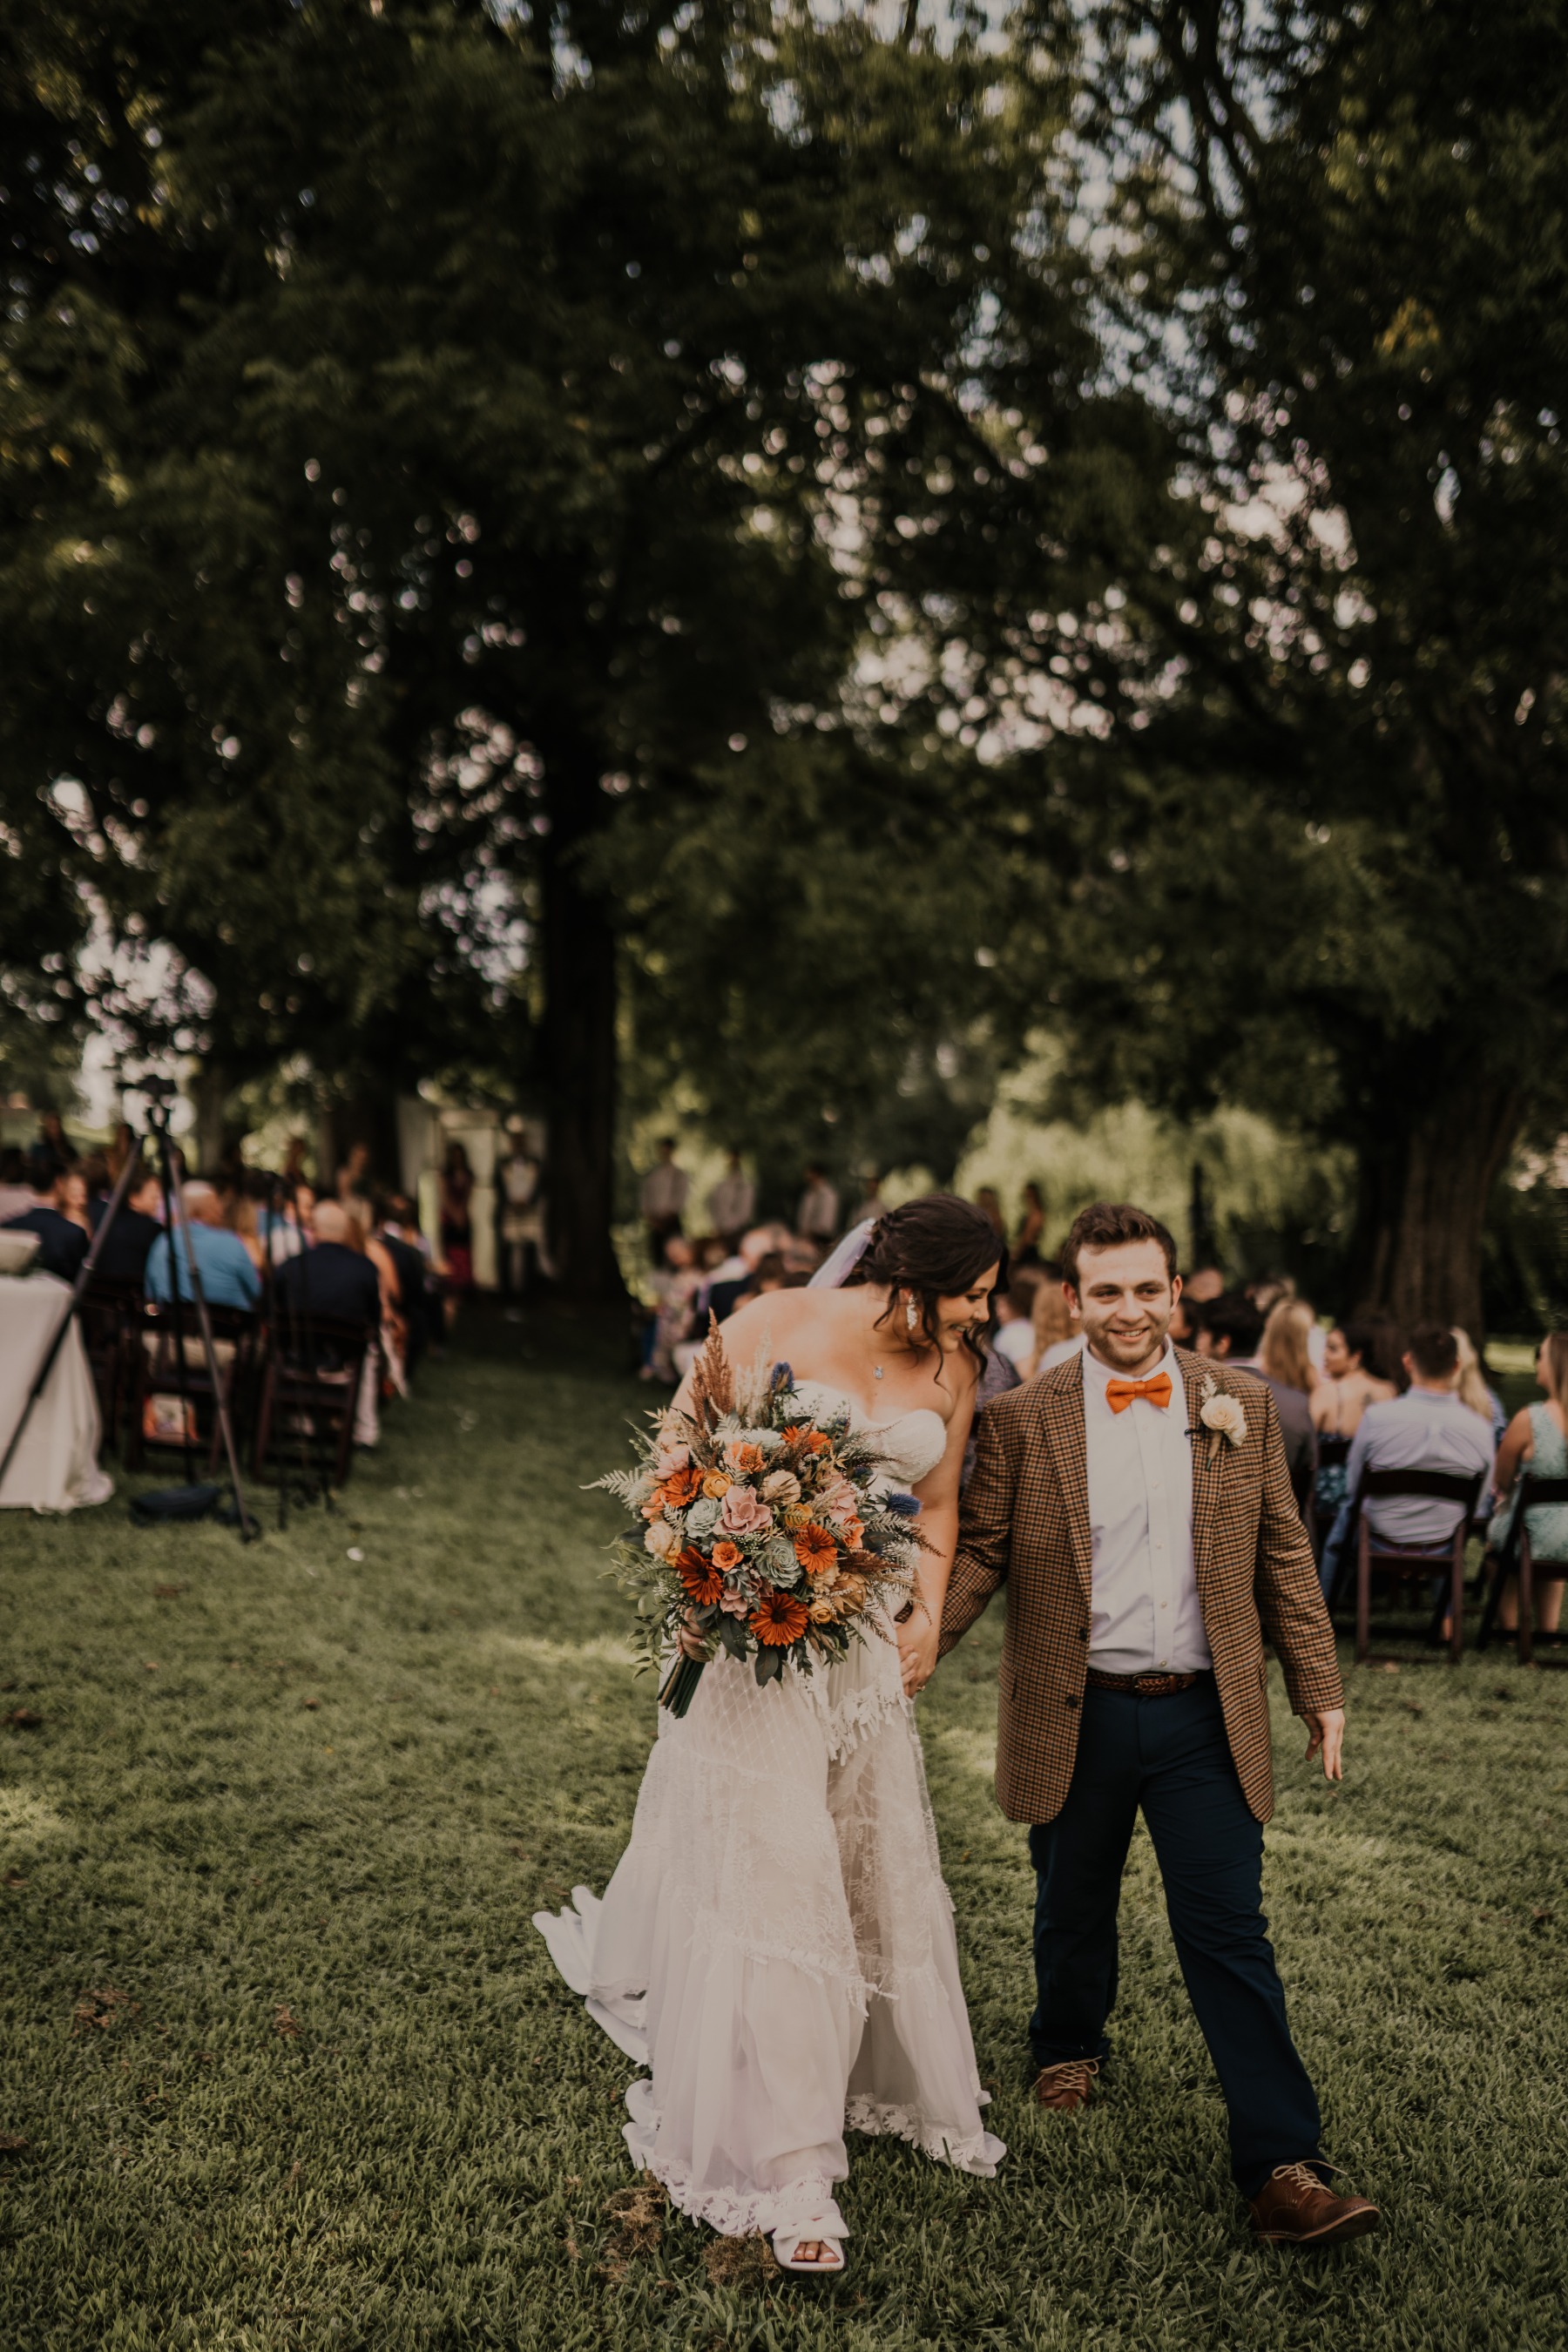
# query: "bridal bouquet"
761 1523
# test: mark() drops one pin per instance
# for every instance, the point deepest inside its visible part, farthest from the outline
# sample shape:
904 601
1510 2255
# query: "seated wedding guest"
224 1266
816 1218
119 1151
412 1275
1232 1332
336 1279
283 1222
1473 1389
1427 1428
1000 1374
1203 1284
1342 1394
769 1275
333 1276
988 1200
1056 1336
98 1184
62 1241
137 1225
732 1204
1536 1439
74 1201
1025 1250
1015 1335
237 1212
1285 1350
736 1277
674 1285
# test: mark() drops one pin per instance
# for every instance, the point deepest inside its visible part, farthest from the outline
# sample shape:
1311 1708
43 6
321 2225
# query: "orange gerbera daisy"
779 1619
816 1549
681 1487
726 1556
701 1579
745 1460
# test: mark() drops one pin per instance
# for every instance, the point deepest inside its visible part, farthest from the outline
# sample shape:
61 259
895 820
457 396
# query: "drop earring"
910 1317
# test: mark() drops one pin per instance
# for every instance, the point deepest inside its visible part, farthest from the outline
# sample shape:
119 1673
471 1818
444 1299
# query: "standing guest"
223 1266
1031 1226
456 1186
1536 1440
1427 1428
119 1151
733 1203
62 1243
1015 1337
137 1225
522 1252
1232 1333
53 1141
871 1204
988 1200
1054 1332
816 1218
662 1198
15 1193
1340 1397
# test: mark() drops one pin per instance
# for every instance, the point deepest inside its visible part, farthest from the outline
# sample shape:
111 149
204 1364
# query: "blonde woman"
1473 1389
1536 1440
1284 1352
1055 1333
1341 1395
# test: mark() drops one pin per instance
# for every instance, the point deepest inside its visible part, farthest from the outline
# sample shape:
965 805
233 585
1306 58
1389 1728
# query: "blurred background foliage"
715 558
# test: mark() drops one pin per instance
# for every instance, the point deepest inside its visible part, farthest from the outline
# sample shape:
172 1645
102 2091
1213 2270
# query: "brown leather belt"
1143 1685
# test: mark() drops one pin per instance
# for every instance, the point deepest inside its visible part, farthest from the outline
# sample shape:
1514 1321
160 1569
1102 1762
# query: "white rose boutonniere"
1223 1417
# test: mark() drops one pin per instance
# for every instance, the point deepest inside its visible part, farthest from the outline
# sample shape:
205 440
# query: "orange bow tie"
1120 1393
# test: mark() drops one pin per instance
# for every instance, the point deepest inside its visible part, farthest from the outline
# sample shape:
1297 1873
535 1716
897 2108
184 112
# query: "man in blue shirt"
1428 1428
223 1263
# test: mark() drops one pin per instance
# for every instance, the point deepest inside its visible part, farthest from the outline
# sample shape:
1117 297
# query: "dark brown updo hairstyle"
934 1248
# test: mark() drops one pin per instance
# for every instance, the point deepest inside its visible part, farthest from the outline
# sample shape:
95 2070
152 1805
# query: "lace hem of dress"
734 2212
979 2153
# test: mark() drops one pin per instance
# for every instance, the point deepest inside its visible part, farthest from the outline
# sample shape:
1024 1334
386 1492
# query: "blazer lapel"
1062 1408
1205 1474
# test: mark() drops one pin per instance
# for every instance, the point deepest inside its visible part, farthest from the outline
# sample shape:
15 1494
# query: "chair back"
1536 1492
307 1342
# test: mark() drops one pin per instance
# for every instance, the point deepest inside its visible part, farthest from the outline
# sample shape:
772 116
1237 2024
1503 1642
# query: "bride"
777 1944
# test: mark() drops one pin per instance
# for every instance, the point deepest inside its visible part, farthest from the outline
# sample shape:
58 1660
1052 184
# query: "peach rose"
726 1556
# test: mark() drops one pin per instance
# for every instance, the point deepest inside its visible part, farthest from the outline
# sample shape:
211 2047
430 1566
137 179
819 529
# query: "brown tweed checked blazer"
1024 1521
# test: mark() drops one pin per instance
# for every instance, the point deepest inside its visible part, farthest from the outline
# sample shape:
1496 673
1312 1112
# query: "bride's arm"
938 1523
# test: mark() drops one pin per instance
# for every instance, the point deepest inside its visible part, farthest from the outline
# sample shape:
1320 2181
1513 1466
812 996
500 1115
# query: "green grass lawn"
292 2070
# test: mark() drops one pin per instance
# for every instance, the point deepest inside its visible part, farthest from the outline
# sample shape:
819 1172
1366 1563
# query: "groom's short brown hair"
1105 1224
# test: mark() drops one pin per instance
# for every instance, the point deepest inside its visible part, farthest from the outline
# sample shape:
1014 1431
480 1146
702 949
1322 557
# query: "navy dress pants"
1171 1755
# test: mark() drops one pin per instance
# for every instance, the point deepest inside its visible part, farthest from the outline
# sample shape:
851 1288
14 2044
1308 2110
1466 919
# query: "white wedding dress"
777 1944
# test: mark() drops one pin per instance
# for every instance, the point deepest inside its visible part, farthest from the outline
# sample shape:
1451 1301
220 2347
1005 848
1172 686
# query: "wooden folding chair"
111 1316
310 1392
1404 1568
1518 1558
154 1371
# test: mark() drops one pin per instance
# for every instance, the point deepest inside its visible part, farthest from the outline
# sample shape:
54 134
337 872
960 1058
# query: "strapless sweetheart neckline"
921 1452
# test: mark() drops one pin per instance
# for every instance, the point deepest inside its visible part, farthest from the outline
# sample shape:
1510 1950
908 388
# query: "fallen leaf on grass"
1414 1706
23 1718
310 1704
1541 1918
284 2020
104 2009
168 1592
739 2262
639 2213
12 2143
14 1878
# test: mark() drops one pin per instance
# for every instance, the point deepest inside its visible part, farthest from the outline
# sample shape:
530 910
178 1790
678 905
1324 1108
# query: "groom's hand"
1326 1730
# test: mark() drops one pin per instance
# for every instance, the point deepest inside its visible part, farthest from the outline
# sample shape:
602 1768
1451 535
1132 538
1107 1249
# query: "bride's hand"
916 1651
692 1643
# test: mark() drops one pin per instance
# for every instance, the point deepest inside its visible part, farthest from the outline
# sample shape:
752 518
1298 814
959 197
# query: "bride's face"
967 1311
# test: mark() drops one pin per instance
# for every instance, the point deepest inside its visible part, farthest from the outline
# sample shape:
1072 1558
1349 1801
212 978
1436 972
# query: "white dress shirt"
1144 1616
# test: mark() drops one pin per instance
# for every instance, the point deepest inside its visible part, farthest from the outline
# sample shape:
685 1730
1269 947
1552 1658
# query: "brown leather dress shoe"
1294 2209
1064 2086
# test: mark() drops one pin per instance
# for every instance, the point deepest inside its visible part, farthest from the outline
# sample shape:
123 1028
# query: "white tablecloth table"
56 1465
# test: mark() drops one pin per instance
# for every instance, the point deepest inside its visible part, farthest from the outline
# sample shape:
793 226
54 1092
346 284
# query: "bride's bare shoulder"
777 1311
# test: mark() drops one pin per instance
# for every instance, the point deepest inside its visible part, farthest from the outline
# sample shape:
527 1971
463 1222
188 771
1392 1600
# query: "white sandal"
825 2230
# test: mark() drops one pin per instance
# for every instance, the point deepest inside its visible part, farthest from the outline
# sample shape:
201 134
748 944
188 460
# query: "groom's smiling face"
1124 1300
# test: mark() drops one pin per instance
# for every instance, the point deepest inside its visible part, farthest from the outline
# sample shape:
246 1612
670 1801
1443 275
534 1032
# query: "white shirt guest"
733 1200
1430 1427
1144 1615
664 1189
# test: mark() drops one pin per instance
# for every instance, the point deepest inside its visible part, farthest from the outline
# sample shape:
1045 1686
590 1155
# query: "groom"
1136 1502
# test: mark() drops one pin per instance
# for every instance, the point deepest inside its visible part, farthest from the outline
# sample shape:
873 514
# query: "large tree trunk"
1426 1174
577 1038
